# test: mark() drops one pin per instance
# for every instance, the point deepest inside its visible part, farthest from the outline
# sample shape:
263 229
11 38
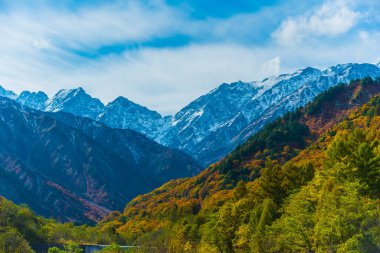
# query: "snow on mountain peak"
123 113
213 124
210 126
35 100
7 93
75 101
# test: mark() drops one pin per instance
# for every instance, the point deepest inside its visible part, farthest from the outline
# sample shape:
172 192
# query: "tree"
224 229
113 248
241 242
11 241
240 191
70 247
293 232
261 216
354 159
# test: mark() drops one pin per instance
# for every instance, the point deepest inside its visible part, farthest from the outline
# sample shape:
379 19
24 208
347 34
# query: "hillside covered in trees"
308 182
19 226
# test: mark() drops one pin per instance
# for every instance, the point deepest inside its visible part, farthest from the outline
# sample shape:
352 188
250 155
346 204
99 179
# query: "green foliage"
355 158
21 222
11 241
270 143
324 200
240 191
282 191
22 219
278 181
113 248
70 247
335 212
324 97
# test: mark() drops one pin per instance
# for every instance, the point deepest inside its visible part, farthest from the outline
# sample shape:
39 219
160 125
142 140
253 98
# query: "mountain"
76 169
75 101
214 124
35 100
307 182
123 113
149 158
206 115
7 93
276 192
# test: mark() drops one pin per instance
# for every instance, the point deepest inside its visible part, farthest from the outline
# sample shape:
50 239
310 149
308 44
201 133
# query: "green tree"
261 216
113 248
11 241
70 247
294 231
240 190
354 159
225 228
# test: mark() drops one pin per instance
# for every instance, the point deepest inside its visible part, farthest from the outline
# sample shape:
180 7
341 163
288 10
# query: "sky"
164 54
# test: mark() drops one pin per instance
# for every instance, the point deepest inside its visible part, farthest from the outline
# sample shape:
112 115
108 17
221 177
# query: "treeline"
287 189
327 199
19 226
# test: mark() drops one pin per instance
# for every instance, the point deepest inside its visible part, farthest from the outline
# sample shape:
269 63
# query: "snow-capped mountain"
215 123
206 114
269 99
7 93
35 100
75 101
123 113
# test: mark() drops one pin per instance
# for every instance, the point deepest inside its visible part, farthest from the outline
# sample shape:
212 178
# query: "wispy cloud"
333 18
112 48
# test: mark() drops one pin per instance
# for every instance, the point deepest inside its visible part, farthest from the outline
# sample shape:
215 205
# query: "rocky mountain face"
244 108
75 101
214 124
7 93
35 100
123 113
76 169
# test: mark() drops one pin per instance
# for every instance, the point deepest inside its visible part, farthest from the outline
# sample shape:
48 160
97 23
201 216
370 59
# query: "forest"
308 182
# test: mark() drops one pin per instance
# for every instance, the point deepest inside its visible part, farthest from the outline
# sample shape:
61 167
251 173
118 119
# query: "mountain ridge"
214 124
290 150
77 169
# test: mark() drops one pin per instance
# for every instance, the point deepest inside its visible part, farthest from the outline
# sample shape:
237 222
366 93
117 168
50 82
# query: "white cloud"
162 79
333 18
271 67
36 50
88 28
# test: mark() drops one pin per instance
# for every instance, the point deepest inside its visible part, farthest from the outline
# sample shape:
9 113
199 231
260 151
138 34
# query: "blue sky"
163 54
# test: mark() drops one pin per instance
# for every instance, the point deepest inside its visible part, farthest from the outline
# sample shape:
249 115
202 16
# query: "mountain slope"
216 123
262 103
23 231
275 144
7 93
77 172
124 114
75 101
35 100
149 157
207 114
316 192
